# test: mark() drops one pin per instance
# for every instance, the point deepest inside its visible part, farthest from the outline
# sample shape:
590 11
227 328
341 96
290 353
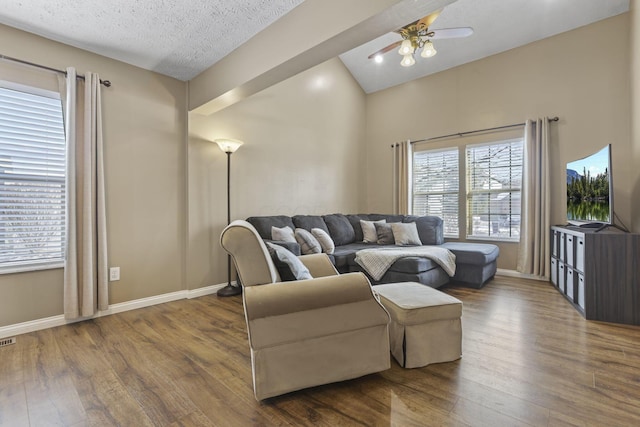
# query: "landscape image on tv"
588 188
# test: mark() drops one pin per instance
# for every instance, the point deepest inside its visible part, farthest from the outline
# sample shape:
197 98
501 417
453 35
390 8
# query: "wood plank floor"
528 359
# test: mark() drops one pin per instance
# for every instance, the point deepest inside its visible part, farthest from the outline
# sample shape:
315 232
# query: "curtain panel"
533 253
401 177
85 271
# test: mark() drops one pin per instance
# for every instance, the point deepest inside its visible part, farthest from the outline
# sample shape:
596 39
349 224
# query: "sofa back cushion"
430 229
263 224
388 218
354 220
340 229
309 222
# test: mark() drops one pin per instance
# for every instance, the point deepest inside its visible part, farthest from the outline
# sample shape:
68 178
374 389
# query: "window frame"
40 264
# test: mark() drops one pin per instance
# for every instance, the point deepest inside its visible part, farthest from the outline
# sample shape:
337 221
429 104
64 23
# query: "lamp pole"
229 147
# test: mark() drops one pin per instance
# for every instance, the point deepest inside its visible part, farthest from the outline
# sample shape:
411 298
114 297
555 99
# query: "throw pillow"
369 232
405 234
308 243
298 269
328 247
284 234
384 233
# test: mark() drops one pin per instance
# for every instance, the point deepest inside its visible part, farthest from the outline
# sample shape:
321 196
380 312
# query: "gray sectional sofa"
476 263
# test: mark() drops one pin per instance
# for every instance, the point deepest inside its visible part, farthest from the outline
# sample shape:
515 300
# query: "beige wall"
302 155
145 158
635 112
581 76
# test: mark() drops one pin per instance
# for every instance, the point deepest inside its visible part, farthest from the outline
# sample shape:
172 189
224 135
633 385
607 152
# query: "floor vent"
7 341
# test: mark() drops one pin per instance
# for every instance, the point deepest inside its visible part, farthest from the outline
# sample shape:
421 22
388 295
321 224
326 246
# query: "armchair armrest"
274 299
319 265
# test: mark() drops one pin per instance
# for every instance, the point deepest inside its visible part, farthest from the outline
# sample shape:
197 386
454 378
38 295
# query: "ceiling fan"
418 36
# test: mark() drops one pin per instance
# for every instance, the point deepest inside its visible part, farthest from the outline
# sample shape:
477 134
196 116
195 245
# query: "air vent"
7 341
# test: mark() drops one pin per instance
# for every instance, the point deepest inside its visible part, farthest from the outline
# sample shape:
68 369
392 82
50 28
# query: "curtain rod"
107 83
552 119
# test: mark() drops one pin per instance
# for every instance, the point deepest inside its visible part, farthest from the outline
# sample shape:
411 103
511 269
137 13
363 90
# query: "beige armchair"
307 332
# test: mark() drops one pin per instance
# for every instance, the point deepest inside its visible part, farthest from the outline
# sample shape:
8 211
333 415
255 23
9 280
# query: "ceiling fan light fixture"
407 60
428 50
406 48
378 58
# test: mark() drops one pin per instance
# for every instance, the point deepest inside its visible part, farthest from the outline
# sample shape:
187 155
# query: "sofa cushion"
263 224
340 229
430 229
369 233
384 232
413 265
355 223
405 234
308 243
388 218
297 269
284 234
346 254
473 253
324 239
309 221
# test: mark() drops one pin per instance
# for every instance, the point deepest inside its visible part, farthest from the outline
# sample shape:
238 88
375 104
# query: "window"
436 186
494 180
32 178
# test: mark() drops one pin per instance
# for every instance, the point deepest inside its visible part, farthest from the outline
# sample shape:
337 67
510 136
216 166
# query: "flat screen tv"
590 190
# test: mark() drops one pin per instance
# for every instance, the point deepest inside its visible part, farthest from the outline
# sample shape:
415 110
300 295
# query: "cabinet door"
554 271
580 254
581 290
554 243
561 276
569 249
570 284
563 256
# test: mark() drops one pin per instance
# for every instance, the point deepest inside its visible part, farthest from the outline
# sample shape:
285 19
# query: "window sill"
493 239
31 267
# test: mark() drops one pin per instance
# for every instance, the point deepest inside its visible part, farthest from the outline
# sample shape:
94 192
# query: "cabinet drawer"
569 250
562 255
561 276
554 243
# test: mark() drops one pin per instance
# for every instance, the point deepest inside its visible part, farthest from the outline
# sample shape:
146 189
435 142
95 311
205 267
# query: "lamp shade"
407 61
406 48
428 50
228 145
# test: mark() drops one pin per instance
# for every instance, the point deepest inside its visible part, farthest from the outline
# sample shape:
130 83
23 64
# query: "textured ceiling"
178 38
498 25
181 38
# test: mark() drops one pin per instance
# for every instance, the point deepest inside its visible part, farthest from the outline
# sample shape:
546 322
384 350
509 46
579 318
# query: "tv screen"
589 190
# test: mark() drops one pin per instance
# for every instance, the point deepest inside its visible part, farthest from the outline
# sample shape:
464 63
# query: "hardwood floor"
528 359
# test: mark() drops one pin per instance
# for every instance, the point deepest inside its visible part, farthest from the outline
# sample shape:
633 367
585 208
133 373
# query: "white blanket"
377 261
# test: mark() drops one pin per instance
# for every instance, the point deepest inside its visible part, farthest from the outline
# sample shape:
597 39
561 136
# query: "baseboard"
59 320
513 273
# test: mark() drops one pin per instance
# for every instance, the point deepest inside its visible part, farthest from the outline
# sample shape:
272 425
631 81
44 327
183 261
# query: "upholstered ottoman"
425 323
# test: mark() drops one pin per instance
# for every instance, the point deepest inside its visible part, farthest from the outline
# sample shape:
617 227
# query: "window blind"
494 181
32 179
436 186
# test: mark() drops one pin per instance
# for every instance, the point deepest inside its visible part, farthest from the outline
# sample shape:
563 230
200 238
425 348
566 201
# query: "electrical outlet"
114 274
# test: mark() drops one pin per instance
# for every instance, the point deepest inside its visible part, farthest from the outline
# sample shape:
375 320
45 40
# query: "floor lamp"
229 146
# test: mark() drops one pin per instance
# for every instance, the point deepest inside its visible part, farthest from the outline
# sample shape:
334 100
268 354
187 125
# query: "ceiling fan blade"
428 20
385 49
451 33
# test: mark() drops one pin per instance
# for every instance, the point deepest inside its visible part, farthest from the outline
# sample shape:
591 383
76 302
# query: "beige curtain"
85 271
401 177
533 254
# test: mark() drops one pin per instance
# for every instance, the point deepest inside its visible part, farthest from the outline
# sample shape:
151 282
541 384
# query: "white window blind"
436 186
494 180
32 179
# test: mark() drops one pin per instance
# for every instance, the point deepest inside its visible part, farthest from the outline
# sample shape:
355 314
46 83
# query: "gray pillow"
284 234
405 234
385 234
308 243
369 233
340 229
298 269
328 247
